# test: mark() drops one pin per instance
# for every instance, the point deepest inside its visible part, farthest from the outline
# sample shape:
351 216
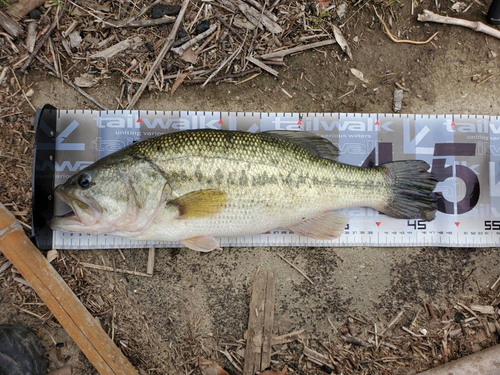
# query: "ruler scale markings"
325 124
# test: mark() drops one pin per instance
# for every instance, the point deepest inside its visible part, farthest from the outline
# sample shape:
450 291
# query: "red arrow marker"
377 123
299 123
220 122
453 123
139 120
378 223
457 223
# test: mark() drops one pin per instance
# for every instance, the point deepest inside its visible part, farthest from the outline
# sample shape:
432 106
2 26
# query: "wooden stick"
224 22
258 19
4 73
9 25
111 269
429 16
31 36
22 91
487 79
166 47
222 65
294 266
118 47
142 23
42 41
284 52
151 261
61 301
393 321
484 362
260 64
221 78
289 337
492 287
180 50
22 8
317 358
256 4
260 324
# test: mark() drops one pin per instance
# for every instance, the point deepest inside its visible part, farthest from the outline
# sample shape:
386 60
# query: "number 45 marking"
417 224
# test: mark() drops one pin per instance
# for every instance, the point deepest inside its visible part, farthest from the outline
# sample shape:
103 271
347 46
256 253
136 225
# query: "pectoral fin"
323 227
202 243
200 203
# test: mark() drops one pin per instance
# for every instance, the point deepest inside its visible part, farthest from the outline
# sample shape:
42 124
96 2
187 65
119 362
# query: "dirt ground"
206 296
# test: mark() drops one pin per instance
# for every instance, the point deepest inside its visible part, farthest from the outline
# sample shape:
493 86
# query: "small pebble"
75 39
311 8
202 27
398 100
35 14
161 10
12 118
182 34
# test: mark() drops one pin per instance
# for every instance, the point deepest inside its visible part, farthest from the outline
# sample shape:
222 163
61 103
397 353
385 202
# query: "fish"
195 185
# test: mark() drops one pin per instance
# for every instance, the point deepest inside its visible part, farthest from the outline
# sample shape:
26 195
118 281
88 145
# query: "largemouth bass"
192 186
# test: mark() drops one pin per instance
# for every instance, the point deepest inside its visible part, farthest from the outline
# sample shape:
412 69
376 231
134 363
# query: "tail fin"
410 190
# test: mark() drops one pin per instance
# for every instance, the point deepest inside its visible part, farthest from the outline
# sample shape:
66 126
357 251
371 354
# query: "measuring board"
463 152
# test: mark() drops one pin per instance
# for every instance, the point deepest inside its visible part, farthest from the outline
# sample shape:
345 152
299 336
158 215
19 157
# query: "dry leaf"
51 255
341 10
359 75
341 41
86 80
209 367
189 56
178 81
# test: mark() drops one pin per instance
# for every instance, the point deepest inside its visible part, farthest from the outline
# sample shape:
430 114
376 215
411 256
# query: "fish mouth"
81 217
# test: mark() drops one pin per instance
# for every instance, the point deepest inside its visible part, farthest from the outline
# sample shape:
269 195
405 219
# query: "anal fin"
322 227
201 243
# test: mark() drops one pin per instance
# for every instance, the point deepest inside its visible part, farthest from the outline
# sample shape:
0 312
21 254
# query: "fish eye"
84 181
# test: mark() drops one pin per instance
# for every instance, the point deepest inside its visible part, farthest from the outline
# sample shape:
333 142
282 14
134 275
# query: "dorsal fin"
313 143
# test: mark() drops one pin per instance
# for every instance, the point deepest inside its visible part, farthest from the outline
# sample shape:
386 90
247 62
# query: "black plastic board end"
43 176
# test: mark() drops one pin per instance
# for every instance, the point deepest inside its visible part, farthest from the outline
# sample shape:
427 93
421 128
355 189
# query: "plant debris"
218 38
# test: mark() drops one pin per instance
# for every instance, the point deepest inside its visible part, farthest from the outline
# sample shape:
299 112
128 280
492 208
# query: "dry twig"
166 47
296 268
429 16
396 40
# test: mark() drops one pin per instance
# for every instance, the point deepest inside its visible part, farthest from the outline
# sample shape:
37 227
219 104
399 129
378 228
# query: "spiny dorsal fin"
313 143
200 203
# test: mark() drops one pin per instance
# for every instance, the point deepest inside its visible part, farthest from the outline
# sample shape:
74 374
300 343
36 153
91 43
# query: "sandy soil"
376 283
